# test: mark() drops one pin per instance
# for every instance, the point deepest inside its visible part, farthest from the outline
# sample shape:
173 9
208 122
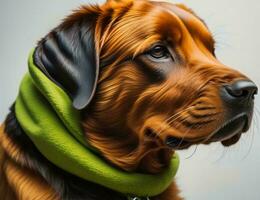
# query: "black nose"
242 91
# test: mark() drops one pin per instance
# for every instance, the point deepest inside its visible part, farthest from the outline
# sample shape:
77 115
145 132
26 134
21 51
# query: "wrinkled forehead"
188 21
178 16
142 23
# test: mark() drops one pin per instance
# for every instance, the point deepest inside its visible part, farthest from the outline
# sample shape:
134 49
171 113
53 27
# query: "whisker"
186 132
184 135
222 155
170 120
210 135
178 113
194 151
182 138
257 116
250 145
254 128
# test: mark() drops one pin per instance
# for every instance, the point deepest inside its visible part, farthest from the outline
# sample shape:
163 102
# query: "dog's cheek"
116 94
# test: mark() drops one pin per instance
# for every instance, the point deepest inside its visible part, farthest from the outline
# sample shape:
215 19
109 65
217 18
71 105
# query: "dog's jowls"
159 88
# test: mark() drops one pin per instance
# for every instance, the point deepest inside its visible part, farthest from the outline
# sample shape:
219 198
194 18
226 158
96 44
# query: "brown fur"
18 181
131 114
125 91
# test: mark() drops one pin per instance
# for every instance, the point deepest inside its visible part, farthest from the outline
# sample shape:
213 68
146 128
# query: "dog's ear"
69 56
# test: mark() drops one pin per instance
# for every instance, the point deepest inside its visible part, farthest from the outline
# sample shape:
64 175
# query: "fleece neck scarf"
46 115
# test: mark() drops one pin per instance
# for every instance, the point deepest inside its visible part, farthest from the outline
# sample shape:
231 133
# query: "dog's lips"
179 143
232 140
228 134
228 130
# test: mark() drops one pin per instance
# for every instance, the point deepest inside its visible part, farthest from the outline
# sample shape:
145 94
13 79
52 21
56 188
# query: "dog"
145 80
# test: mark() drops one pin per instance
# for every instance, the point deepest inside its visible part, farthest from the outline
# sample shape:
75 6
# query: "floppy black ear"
69 57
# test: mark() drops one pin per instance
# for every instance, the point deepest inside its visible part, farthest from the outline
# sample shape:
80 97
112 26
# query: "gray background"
206 173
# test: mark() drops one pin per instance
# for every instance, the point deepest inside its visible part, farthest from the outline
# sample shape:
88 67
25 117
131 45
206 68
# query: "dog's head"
146 79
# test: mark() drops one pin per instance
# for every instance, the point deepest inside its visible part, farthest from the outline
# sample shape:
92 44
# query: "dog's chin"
228 134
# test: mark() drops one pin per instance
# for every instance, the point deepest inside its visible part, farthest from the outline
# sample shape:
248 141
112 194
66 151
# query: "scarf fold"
46 115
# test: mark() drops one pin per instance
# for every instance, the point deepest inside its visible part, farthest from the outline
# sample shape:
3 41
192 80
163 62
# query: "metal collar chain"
138 198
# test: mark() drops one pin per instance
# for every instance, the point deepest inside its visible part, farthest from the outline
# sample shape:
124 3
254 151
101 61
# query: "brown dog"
157 87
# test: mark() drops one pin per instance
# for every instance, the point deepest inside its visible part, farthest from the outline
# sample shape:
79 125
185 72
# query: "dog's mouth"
228 134
231 131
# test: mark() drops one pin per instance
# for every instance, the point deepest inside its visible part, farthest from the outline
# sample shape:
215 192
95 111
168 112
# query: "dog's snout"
242 89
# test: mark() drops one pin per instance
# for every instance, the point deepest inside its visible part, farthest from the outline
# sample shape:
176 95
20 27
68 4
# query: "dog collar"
47 116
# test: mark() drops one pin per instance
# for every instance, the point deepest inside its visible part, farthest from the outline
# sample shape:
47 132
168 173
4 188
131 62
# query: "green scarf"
46 115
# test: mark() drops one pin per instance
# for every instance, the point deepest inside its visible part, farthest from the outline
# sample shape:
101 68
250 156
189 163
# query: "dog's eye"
159 52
